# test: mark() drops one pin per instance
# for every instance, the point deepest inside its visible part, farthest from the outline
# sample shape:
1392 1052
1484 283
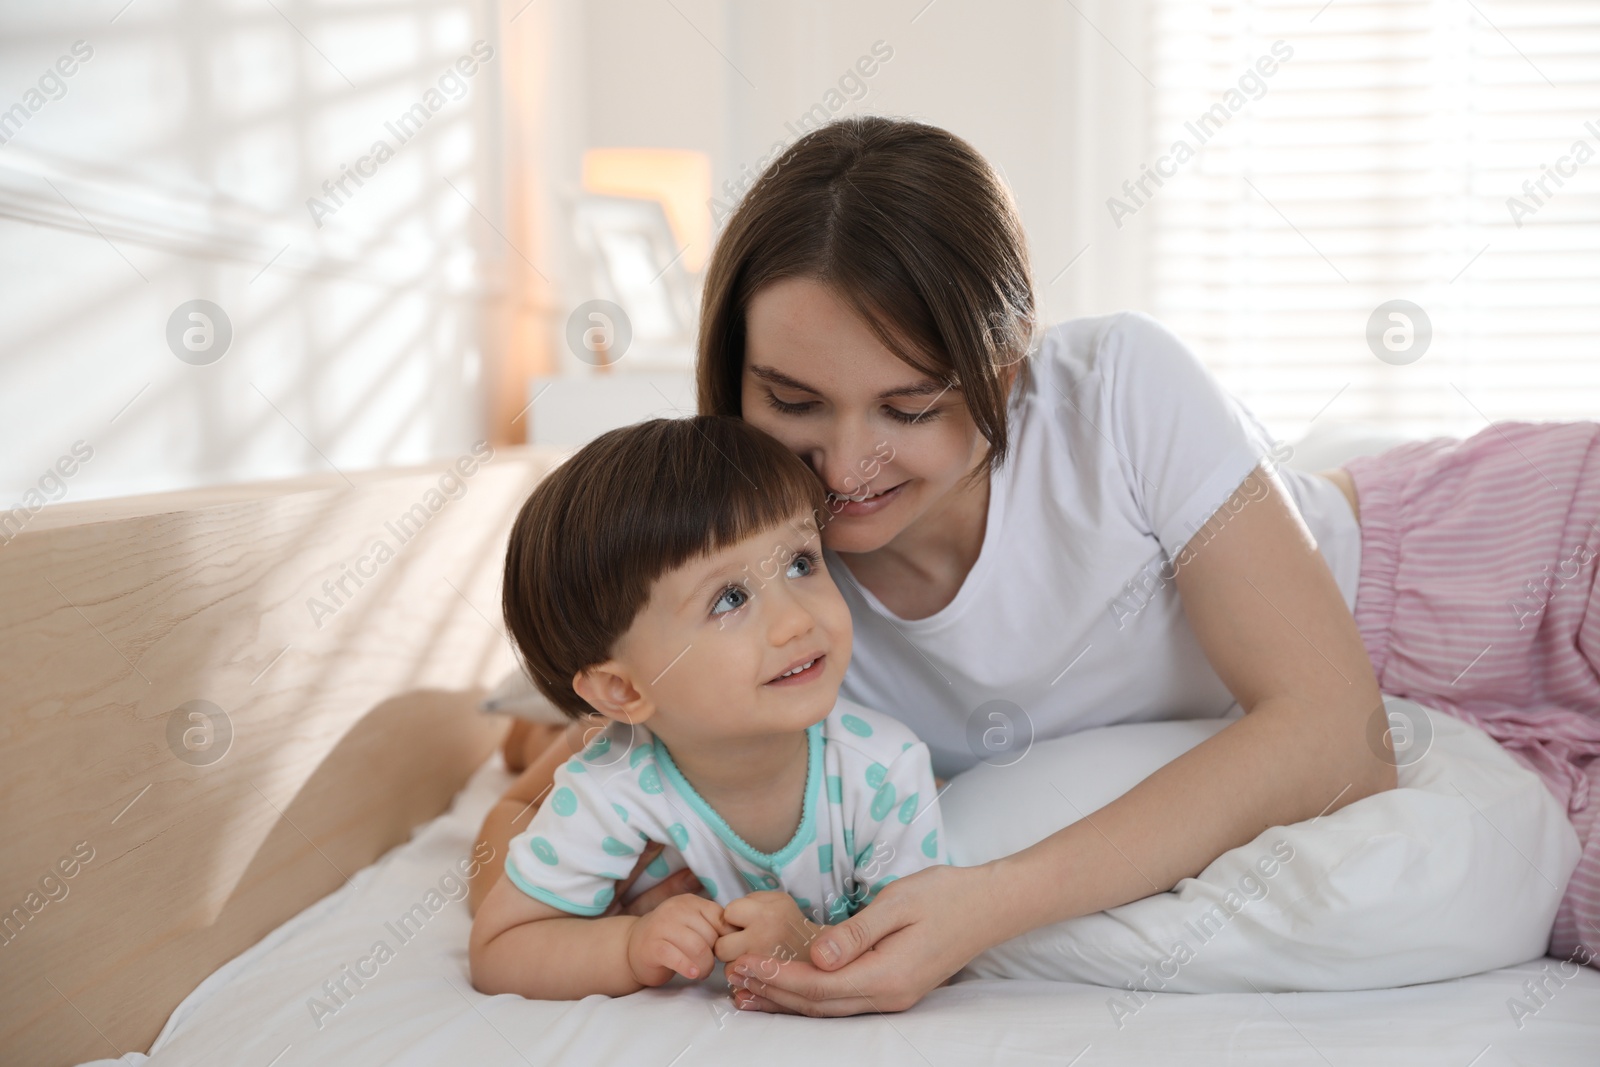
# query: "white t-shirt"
1123 446
869 816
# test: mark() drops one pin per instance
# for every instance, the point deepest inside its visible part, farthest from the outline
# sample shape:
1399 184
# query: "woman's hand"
921 929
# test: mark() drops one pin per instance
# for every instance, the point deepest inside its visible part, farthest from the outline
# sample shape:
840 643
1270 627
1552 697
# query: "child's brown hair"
631 505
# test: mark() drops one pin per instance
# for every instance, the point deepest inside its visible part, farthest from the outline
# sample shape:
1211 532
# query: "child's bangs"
787 494
725 482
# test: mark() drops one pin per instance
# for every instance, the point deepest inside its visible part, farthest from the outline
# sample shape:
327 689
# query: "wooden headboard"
214 707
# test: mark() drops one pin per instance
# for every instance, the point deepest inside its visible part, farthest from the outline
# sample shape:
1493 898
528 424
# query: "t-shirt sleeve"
1184 443
900 832
577 846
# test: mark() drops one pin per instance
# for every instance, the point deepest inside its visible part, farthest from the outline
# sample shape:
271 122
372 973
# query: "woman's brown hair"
629 506
912 227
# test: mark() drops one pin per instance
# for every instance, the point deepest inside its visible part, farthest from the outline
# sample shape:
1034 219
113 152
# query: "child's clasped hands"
687 934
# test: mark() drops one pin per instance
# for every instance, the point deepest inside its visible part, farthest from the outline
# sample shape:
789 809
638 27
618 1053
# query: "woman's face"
890 443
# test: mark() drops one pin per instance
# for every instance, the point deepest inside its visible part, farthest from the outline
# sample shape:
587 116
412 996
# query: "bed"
257 768
420 1008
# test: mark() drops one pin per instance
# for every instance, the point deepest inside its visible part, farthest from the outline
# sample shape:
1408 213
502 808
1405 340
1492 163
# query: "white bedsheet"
419 1007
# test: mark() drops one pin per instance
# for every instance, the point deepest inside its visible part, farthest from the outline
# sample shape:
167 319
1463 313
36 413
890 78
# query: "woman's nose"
839 463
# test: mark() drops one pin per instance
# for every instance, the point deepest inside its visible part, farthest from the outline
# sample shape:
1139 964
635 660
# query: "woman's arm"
1274 626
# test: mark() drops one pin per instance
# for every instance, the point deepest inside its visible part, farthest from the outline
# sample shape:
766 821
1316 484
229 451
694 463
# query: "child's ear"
609 689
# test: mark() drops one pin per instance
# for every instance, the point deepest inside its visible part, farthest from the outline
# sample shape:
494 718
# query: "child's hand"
768 922
676 937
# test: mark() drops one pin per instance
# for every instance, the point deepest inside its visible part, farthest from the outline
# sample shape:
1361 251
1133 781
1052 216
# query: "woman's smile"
858 506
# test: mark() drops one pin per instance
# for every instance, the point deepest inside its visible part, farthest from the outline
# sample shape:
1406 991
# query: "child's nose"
790 618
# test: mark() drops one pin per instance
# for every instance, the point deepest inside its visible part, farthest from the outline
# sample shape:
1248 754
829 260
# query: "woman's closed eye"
789 407
912 418
800 407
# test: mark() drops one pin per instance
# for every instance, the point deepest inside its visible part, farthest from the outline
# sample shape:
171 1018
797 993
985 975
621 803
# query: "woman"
1074 527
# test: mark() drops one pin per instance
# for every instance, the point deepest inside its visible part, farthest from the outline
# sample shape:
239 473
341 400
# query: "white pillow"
1332 444
1457 871
517 695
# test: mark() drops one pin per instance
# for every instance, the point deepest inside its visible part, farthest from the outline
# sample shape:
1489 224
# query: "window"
1442 152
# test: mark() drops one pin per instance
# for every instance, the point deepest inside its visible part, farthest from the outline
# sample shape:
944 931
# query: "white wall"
1031 84
176 164
184 150
1055 103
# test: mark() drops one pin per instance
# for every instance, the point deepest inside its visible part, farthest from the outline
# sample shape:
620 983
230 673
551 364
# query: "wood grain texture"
349 727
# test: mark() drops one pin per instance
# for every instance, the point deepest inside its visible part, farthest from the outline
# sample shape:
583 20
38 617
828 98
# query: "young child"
669 576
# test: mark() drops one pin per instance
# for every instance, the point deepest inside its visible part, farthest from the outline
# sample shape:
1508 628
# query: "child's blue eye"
735 596
732 599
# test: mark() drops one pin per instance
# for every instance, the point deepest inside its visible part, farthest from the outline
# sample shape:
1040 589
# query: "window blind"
1441 152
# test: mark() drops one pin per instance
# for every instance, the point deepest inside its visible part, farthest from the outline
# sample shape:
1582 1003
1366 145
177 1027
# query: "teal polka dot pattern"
845 851
564 801
883 801
759 881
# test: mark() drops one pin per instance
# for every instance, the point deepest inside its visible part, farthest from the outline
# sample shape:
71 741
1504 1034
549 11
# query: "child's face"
708 653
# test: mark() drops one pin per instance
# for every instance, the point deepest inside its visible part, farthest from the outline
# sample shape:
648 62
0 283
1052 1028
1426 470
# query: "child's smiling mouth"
801 671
